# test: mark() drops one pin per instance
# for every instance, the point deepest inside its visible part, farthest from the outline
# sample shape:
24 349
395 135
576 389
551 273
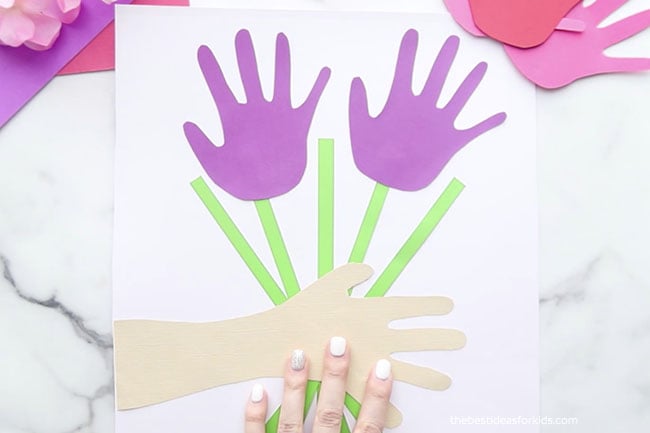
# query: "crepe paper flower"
408 144
264 153
35 23
567 56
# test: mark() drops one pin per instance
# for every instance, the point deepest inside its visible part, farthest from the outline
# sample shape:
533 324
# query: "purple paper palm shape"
264 153
411 140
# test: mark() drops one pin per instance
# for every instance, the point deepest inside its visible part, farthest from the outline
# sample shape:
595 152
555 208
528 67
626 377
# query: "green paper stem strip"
345 428
313 388
353 405
278 247
238 241
272 423
369 223
325 206
417 239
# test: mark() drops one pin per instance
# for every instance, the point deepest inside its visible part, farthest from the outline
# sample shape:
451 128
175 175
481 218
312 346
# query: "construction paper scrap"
462 13
522 24
568 56
156 361
265 149
99 55
23 72
325 206
409 143
571 25
238 241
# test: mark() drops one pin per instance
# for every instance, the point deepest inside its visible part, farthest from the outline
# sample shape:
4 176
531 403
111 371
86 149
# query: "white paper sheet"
172 262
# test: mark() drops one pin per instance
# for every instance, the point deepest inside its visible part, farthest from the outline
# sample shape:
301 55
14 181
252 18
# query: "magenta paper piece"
567 56
265 142
23 72
462 13
411 140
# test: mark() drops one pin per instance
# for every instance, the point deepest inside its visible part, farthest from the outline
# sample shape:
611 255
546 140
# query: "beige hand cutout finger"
157 361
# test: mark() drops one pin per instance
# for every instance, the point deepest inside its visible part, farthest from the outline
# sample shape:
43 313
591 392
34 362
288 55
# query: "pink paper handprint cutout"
570 55
411 140
264 153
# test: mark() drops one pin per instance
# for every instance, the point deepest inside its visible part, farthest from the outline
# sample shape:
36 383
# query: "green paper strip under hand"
417 238
272 423
369 223
278 247
325 206
238 241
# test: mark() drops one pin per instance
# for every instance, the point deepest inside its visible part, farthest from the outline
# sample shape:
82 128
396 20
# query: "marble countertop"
56 162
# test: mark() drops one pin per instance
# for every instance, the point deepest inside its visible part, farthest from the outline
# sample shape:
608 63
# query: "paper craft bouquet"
263 156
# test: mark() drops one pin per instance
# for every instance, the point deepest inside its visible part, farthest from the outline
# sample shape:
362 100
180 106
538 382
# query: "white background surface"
56 202
171 261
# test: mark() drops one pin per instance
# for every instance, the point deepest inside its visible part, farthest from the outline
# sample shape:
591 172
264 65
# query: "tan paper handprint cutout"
156 361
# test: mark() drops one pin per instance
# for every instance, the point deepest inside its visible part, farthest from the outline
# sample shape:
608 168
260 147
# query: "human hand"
411 140
568 56
329 410
258 134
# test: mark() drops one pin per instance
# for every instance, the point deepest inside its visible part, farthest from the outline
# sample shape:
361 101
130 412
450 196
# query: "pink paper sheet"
23 72
99 55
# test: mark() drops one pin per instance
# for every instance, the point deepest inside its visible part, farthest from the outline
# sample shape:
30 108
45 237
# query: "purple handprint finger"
466 89
440 69
484 126
221 93
282 83
625 28
405 61
250 77
205 151
309 106
358 103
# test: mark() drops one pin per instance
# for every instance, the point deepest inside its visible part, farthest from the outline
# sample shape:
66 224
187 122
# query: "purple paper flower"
264 153
411 140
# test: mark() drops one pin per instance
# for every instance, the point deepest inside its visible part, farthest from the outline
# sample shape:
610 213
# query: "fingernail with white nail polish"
257 394
297 360
337 346
382 369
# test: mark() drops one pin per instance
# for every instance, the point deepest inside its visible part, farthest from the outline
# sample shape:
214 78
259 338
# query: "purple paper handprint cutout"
411 140
265 142
568 56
